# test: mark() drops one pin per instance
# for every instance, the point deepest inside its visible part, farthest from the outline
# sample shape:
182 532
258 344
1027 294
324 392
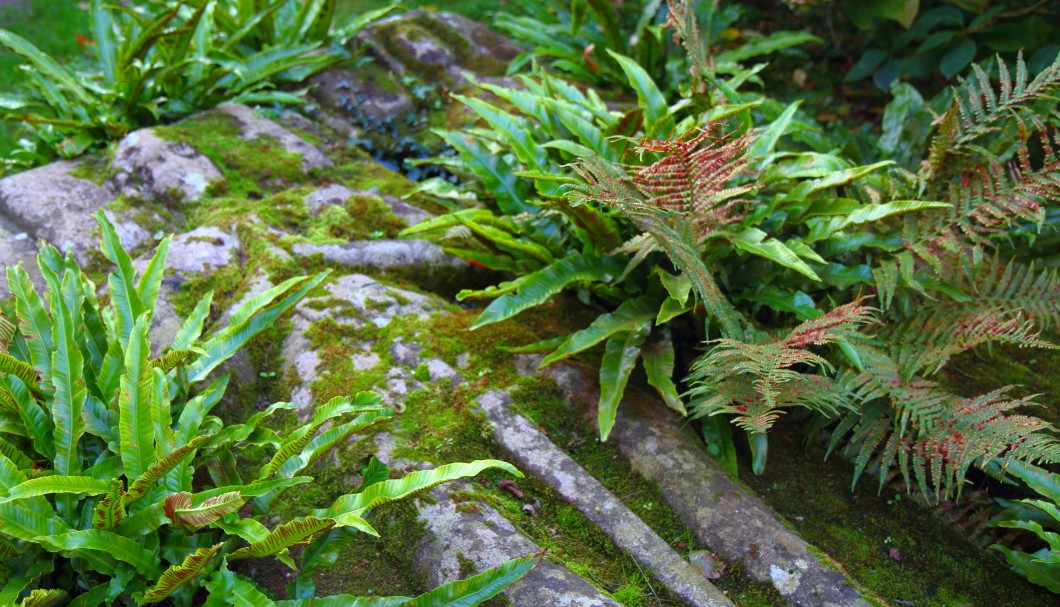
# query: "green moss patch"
933 564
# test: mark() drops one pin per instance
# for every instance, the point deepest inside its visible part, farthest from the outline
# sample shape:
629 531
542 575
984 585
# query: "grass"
64 22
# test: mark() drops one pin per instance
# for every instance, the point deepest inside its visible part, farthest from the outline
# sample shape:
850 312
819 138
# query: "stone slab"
534 453
149 166
383 254
253 126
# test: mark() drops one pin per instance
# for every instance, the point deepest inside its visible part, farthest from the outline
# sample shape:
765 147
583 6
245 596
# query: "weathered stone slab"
722 514
480 537
535 453
353 300
151 167
253 126
383 254
718 511
49 203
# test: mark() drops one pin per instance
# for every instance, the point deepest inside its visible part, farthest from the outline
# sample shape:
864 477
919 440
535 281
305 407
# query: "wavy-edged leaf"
346 600
397 489
135 423
496 175
299 531
514 129
177 575
179 509
650 98
33 320
230 590
474 590
122 280
620 356
536 288
759 243
110 512
40 597
257 313
22 370
117 546
160 468
171 359
55 484
68 381
657 356
191 329
631 315
46 66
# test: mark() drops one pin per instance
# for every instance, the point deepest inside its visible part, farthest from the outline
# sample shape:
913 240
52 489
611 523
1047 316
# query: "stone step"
469 537
718 511
535 454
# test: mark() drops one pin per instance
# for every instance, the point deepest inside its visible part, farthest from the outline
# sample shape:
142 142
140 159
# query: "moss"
938 566
92 167
251 167
486 65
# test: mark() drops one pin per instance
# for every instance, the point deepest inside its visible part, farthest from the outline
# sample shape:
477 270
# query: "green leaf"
957 58
536 288
759 442
299 531
50 485
27 524
717 434
177 575
657 356
759 243
474 590
110 512
620 356
514 130
107 542
398 489
160 468
135 423
48 68
34 321
631 315
256 314
229 590
191 329
766 141
123 293
24 371
68 380
765 45
656 111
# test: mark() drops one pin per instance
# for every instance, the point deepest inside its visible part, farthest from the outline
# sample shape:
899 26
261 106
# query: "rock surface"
151 167
474 534
536 454
253 126
384 254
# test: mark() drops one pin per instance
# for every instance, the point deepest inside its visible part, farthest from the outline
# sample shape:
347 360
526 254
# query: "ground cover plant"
164 59
101 441
813 282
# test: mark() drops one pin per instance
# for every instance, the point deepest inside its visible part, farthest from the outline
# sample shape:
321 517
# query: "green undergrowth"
933 566
1030 370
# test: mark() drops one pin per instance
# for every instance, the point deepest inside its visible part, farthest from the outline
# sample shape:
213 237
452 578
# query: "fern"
979 109
755 382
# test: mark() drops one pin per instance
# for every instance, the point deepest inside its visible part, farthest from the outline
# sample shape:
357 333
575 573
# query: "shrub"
120 487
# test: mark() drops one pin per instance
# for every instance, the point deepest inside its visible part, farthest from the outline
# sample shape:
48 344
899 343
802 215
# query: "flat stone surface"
383 254
723 515
719 512
481 537
48 203
534 453
253 126
344 89
149 167
353 300
202 251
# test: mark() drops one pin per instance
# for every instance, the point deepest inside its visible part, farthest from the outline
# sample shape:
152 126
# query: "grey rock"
405 353
345 89
384 254
439 370
151 167
353 300
481 537
253 126
16 247
721 514
48 203
201 251
335 194
536 454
